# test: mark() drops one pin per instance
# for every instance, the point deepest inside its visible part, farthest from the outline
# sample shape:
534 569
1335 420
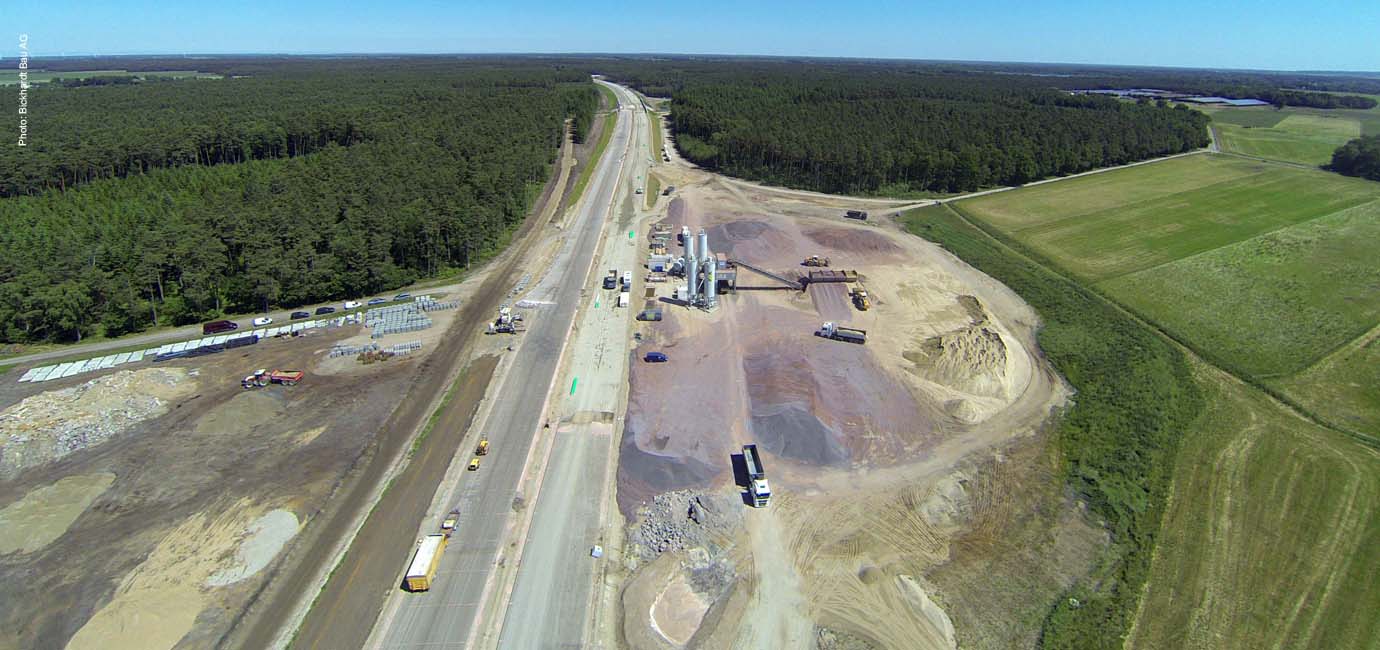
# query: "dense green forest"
871 128
1134 397
1359 157
173 202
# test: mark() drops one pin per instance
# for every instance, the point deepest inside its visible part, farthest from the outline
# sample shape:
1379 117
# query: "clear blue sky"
1299 34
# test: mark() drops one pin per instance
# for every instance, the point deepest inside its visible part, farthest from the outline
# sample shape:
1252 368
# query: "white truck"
757 477
624 298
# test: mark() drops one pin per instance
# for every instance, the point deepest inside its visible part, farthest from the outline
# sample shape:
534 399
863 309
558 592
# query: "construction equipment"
263 377
506 323
860 299
474 464
448 524
820 277
758 488
815 260
856 214
424 562
482 448
611 280
832 330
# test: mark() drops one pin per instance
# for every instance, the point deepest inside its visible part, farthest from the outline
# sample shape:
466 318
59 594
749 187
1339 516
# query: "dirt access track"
191 513
880 455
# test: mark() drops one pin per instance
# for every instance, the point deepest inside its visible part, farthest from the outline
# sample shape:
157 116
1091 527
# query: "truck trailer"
757 477
831 330
424 563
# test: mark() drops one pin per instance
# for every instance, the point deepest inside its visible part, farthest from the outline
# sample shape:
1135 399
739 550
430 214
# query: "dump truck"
452 518
263 377
860 299
611 280
424 563
482 448
623 299
815 260
832 330
758 488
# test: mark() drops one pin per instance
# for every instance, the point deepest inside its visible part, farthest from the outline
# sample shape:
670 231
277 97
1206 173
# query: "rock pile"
682 520
50 425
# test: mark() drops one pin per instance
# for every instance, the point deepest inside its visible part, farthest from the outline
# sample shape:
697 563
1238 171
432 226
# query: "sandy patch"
243 412
677 611
262 542
304 438
44 514
52 424
158 602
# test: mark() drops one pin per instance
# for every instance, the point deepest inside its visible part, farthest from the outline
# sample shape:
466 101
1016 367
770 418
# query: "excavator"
815 260
860 299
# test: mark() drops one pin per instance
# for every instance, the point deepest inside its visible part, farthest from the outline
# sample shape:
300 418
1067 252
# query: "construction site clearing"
896 465
147 506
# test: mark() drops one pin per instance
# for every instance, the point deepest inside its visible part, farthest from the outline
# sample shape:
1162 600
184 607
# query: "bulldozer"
263 377
860 299
815 260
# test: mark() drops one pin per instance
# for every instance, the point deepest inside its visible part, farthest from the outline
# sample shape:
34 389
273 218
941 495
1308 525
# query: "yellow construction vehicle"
483 447
815 260
474 463
860 299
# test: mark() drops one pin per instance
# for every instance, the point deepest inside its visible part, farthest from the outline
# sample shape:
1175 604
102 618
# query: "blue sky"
1303 34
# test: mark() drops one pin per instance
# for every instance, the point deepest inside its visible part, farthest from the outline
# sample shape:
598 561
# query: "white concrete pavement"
452 614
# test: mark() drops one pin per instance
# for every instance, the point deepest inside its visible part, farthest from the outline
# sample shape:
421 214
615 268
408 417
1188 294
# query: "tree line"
284 190
1359 157
877 128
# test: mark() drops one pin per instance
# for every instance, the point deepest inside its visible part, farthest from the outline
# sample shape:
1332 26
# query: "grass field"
41 76
1274 303
653 189
1270 538
1261 267
610 122
654 125
1300 135
1342 388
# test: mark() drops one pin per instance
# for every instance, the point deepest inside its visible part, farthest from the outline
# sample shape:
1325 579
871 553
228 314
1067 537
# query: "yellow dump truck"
860 299
482 448
424 563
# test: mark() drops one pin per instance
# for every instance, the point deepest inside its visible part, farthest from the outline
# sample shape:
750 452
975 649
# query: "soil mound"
971 359
832 301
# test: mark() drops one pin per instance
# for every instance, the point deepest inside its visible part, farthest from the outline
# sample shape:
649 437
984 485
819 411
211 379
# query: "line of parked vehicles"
223 326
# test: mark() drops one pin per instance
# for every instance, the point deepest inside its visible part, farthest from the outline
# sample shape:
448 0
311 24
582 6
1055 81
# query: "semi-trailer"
832 330
758 488
424 563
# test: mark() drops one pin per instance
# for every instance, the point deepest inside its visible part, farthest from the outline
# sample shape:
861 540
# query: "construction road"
451 614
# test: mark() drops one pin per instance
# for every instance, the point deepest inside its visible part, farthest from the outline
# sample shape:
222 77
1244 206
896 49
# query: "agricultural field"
1262 268
1299 135
1269 538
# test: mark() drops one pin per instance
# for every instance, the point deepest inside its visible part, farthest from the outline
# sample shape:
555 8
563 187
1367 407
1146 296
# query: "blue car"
377 301
401 296
655 357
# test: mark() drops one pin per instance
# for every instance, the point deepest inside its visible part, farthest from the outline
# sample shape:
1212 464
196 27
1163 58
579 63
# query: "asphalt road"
549 605
445 617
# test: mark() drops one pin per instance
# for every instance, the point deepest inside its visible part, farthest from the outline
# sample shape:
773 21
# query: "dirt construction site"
913 504
144 508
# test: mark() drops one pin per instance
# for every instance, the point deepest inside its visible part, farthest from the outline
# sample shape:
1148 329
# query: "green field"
610 122
1270 538
42 76
653 189
654 125
1342 388
1274 303
1263 268
1306 136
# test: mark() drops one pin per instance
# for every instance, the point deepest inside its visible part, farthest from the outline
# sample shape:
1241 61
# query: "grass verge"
610 123
1118 442
653 189
654 125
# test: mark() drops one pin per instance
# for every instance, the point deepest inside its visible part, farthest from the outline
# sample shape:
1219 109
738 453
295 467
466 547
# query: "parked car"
325 310
262 320
655 357
299 315
401 296
377 301
220 326
351 304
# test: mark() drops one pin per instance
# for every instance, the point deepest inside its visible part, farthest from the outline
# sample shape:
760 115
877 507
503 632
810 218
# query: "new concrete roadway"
550 603
451 613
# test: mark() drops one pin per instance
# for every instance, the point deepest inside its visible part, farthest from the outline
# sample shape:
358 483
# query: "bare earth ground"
904 470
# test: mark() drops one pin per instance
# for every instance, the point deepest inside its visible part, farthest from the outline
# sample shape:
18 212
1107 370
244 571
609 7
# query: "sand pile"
860 241
260 543
972 359
50 425
832 301
44 514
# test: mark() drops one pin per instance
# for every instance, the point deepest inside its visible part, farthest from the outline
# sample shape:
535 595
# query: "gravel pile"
683 520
